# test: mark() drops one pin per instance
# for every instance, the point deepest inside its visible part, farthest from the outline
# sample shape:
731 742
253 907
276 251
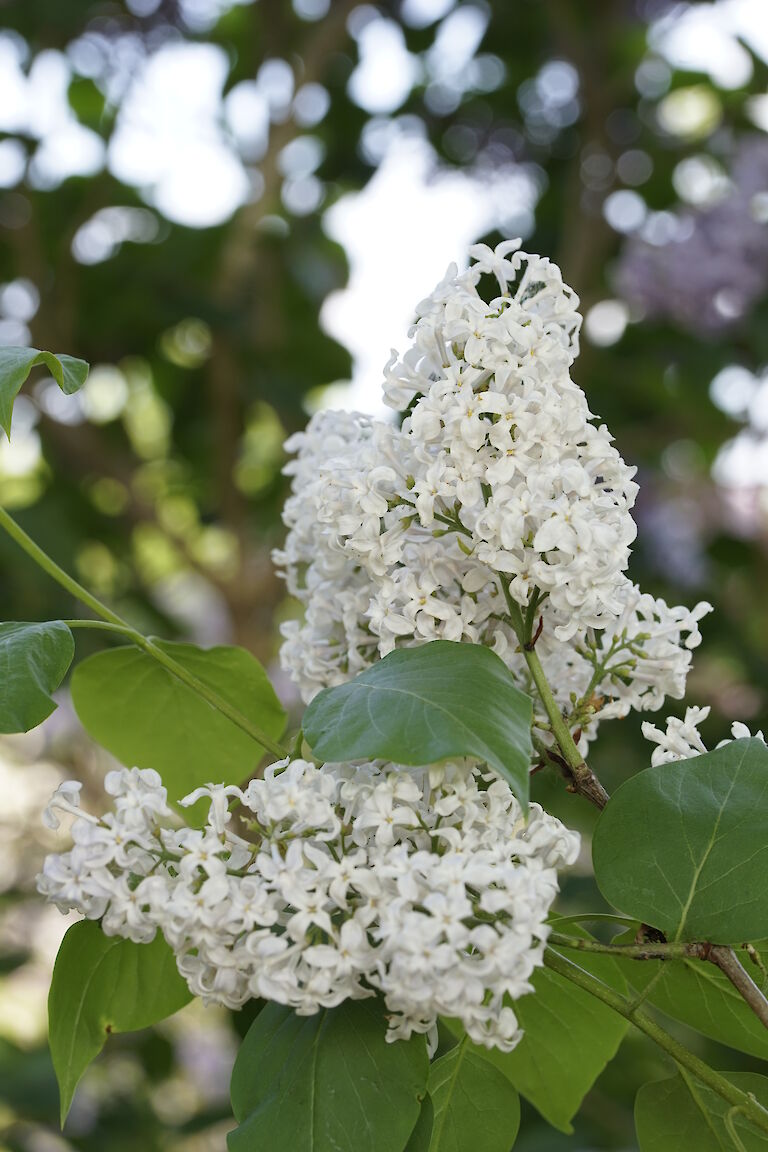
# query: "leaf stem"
44 561
98 625
210 696
745 1103
583 780
113 622
589 917
730 1128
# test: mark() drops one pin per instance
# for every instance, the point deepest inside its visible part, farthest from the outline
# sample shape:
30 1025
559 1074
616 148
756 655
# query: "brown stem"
581 780
529 647
239 252
729 964
248 323
586 238
585 783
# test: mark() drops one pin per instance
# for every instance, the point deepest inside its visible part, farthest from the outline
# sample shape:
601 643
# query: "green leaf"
475 1105
104 984
569 1038
17 363
326 1083
34 659
699 995
679 1114
146 717
684 846
421 705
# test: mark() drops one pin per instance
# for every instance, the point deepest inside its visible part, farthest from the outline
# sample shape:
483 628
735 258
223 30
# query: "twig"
727 1091
531 644
643 951
729 964
719 954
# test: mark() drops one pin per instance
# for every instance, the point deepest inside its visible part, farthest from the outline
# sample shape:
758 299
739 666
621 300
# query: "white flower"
348 955
302 916
219 796
498 482
494 260
66 798
498 494
682 738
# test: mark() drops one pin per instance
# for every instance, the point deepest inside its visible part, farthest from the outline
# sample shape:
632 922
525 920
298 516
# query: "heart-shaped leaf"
147 717
15 366
421 705
327 1083
103 984
684 846
34 659
475 1105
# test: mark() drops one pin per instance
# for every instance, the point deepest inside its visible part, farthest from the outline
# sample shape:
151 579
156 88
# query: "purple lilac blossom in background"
711 270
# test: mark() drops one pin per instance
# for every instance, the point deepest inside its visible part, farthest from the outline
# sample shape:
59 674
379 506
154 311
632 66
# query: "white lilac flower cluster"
681 739
496 494
427 886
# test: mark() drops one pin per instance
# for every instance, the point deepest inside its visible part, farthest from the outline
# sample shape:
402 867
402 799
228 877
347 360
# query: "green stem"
455 524
115 623
721 955
43 560
676 951
730 1128
560 729
298 744
746 1104
589 917
530 612
99 626
583 778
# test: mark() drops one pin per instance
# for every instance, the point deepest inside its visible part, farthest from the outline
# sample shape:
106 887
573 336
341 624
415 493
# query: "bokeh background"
230 209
